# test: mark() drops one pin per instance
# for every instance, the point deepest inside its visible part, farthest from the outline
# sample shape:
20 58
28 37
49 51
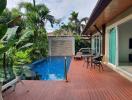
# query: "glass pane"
6 71
112 46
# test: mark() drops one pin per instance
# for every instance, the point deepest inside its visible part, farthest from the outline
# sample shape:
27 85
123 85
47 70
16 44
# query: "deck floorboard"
84 84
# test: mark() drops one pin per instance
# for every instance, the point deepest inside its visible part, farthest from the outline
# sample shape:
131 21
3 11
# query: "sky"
61 8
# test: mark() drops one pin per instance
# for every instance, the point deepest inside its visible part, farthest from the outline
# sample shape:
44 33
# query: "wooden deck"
84 84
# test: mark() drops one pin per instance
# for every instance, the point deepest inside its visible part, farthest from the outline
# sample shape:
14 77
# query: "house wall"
61 46
115 23
122 18
125 33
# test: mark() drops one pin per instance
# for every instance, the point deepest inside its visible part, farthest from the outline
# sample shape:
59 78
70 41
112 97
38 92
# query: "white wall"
122 18
125 33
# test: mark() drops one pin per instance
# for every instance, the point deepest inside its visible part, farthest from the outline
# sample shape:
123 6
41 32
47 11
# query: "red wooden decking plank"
84 84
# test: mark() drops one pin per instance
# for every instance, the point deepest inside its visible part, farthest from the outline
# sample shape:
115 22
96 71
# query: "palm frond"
51 19
27 34
27 6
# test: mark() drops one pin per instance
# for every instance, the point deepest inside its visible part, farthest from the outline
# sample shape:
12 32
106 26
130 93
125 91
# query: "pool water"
51 68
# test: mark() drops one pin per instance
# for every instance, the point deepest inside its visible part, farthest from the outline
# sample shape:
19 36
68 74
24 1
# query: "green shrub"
81 43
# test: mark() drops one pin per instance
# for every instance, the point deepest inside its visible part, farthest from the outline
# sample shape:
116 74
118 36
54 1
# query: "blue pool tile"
51 68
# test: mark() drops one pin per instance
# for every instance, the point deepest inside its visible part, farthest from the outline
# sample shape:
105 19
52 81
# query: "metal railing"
65 69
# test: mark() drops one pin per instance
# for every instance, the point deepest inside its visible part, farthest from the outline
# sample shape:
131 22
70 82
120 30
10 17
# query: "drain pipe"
65 70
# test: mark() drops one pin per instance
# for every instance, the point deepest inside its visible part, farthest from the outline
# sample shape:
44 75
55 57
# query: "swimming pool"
51 68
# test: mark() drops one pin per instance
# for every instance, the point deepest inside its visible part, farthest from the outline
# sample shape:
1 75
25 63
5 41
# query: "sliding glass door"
112 46
97 44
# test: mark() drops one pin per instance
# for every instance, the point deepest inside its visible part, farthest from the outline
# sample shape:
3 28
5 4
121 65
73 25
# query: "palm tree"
38 14
36 17
34 3
75 25
83 23
74 22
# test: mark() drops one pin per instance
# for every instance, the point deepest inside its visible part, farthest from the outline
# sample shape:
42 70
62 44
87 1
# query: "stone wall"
61 46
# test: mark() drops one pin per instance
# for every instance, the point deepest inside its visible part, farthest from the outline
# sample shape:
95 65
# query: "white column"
0 93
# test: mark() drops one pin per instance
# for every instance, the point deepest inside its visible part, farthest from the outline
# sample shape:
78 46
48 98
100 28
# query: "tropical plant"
81 43
83 23
2 5
3 29
38 14
75 25
35 16
6 48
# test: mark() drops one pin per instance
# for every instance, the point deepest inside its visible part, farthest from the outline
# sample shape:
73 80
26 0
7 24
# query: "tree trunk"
34 3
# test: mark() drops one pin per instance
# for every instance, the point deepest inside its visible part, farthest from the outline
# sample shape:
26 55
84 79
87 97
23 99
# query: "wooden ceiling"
115 8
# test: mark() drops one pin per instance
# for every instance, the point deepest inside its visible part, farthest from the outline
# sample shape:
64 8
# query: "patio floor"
84 84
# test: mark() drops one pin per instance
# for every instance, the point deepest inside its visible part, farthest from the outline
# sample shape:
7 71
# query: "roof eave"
99 8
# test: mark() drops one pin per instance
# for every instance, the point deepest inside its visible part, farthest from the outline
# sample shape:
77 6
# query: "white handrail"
9 84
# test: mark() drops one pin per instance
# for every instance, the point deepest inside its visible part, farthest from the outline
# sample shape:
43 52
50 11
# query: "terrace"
84 84
45 75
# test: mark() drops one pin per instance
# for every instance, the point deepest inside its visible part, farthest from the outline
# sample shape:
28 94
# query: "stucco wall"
125 33
61 46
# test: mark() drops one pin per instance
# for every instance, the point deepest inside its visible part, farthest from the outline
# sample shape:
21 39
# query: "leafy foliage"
80 43
75 25
37 15
3 29
2 5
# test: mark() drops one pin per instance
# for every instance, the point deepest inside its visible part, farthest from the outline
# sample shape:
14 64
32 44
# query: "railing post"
1 92
65 70
4 65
